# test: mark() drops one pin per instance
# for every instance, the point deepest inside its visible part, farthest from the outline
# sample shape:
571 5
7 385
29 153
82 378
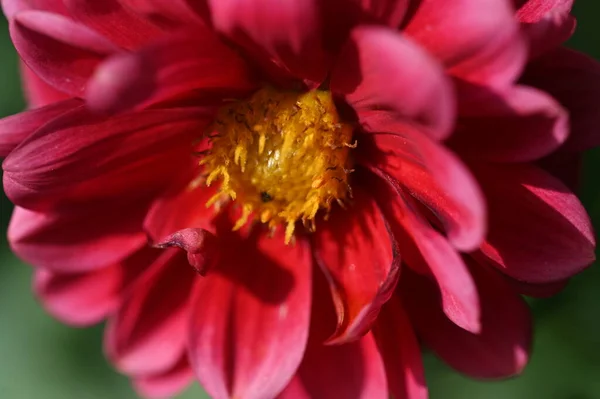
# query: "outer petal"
289 32
401 352
502 347
360 259
166 384
147 335
380 70
58 50
432 175
251 310
16 128
11 7
478 41
83 239
37 92
539 231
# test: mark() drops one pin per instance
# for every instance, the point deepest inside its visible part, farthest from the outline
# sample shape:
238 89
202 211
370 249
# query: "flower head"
344 178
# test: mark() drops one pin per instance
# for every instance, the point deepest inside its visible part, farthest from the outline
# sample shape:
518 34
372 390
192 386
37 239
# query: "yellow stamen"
282 155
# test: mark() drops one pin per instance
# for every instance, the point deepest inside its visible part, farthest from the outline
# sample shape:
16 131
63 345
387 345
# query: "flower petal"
539 231
147 335
432 175
401 352
37 92
83 239
361 262
16 128
380 70
166 384
11 7
289 32
60 51
478 41
243 322
502 347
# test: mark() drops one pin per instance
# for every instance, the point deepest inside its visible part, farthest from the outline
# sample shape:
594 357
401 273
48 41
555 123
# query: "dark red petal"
538 230
502 347
537 290
60 51
434 176
166 384
391 12
401 352
85 298
113 21
16 128
520 124
428 252
170 13
147 335
37 92
380 70
289 32
250 321
360 259
574 80
479 41
133 155
83 239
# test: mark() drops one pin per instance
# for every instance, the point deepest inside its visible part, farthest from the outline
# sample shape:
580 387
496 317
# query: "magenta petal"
16 128
60 51
166 384
381 70
147 334
401 352
539 232
502 347
250 320
361 262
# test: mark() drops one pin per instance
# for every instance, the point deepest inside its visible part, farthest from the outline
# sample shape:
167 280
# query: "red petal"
500 350
546 29
37 92
113 21
531 11
401 352
360 260
537 290
60 51
147 335
200 245
289 32
250 322
16 128
478 41
83 239
166 384
518 125
539 231
435 177
429 253
380 70
171 13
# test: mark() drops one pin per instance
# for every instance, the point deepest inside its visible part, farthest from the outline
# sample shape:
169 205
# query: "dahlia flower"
286 198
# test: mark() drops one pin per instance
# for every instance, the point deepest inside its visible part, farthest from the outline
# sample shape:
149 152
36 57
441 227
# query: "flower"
345 178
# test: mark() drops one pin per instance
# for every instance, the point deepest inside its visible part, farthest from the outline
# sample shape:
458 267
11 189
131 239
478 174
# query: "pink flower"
422 144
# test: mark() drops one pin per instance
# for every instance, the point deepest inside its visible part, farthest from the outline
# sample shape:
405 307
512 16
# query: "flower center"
282 155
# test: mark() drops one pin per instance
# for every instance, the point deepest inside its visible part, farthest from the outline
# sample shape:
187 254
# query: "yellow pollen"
282 155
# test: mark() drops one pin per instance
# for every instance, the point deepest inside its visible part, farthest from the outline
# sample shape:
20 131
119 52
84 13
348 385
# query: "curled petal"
200 245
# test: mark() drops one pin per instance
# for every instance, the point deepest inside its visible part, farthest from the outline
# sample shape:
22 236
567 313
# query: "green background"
40 358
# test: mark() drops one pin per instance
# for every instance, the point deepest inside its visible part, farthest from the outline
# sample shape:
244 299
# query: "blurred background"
40 358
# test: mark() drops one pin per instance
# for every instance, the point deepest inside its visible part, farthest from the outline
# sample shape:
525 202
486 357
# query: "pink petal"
432 175
86 298
380 70
429 253
37 92
574 80
520 124
361 262
16 128
531 11
133 155
12 7
200 245
401 352
502 347
288 32
166 384
82 239
148 333
60 51
249 326
546 28
539 231
478 41
113 21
